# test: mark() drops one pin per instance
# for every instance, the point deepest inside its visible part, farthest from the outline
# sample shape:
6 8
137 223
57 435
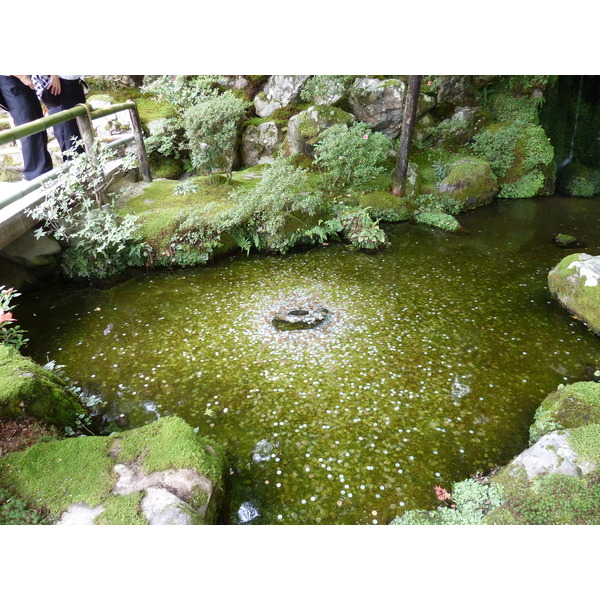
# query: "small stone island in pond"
299 319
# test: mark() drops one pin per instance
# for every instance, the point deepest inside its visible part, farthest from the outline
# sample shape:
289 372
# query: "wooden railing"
85 114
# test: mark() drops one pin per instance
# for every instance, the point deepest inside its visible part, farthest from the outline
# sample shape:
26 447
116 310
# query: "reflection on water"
432 360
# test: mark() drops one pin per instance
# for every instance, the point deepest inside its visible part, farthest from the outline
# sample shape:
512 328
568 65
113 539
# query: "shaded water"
432 360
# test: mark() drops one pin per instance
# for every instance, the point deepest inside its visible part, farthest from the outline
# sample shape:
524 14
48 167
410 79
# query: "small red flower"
429 82
6 317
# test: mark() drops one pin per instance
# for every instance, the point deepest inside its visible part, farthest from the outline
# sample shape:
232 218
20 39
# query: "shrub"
351 157
100 243
11 335
272 215
212 128
361 230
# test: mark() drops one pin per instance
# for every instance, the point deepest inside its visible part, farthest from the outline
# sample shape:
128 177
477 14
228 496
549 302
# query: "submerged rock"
574 281
262 451
247 512
566 241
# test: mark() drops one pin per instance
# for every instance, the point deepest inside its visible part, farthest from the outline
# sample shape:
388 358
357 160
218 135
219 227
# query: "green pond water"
429 365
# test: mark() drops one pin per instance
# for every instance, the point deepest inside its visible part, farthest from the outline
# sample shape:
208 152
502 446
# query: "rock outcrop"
280 91
574 281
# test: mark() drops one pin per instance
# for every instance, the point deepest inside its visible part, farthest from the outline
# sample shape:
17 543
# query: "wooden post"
408 125
138 134
84 122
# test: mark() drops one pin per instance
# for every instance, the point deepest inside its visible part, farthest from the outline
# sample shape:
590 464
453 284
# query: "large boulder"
574 281
26 388
280 91
553 453
381 103
471 182
305 127
459 128
162 473
570 406
455 90
260 142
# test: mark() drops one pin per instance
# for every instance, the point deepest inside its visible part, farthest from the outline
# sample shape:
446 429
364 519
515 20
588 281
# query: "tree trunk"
408 125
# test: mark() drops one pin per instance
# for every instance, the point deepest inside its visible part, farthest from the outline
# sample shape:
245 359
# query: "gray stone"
80 514
280 91
551 454
111 125
381 103
456 90
161 507
305 128
183 482
259 143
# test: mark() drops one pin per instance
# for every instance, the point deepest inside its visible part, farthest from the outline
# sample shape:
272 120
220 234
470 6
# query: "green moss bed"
51 476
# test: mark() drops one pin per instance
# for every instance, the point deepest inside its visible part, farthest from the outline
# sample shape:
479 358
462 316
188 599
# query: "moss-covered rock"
305 127
520 156
578 180
26 388
554 482
471 182
161 473
574 281
570 406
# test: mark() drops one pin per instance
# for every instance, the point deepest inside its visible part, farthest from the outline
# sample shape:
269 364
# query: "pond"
420 365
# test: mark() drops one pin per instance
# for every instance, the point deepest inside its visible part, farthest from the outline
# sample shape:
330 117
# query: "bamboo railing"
85 114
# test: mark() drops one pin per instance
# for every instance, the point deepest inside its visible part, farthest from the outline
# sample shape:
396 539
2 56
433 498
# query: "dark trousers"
24 106
71 94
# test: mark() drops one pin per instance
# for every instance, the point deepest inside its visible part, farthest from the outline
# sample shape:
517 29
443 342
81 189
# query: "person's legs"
24 107
71 94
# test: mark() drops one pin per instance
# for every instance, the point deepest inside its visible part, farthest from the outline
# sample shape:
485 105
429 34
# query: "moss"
122 510
437 219
165 167
311 124
552 500
578 180
54 475
520 155
471 182
149 108
570 406
26 388
171 443
386 207
586 442
57 474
